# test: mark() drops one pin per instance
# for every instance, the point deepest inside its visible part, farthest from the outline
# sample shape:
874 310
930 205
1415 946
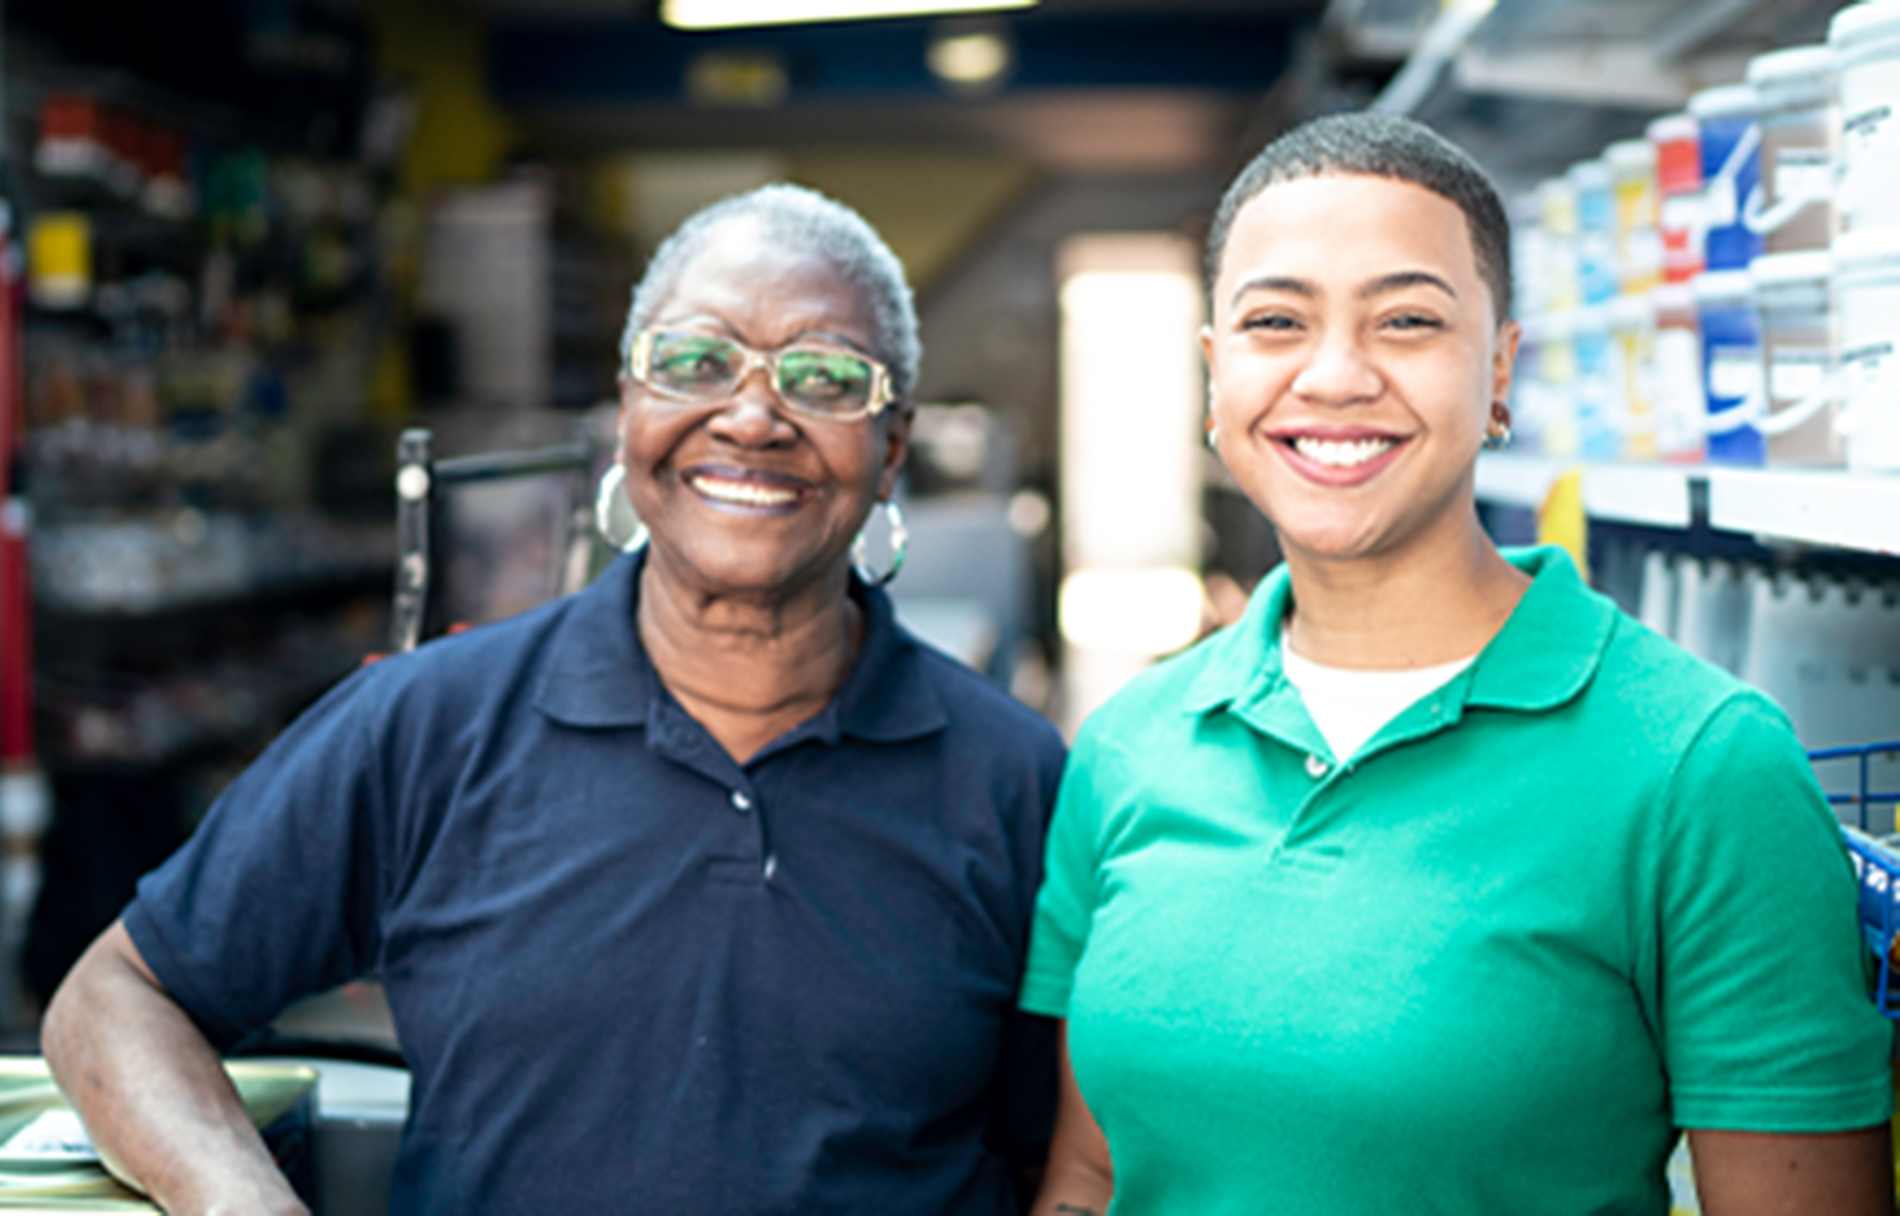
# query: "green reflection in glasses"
821 381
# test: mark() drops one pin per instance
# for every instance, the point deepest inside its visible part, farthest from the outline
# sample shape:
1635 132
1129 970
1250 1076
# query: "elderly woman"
1434 885
704 890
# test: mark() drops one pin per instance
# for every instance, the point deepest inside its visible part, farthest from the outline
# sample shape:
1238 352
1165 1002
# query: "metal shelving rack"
1859 512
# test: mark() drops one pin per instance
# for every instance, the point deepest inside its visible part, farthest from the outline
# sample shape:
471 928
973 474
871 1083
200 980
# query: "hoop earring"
1497 436
900 545
614 514
1212 434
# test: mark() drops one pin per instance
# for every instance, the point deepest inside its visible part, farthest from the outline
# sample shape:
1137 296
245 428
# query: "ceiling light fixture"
728 14
970 60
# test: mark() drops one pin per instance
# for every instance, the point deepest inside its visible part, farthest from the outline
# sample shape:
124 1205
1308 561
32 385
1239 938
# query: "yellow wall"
439 49
931 206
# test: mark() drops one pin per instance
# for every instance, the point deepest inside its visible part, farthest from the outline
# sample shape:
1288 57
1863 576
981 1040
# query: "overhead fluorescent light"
727 14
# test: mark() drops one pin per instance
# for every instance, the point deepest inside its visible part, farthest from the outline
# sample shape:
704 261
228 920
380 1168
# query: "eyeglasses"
819 381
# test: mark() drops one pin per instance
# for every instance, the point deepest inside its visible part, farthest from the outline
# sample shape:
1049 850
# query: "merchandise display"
1768 199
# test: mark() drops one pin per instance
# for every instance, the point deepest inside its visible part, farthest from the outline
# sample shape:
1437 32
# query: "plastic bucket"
1599 277
1679 190
1731 365
1599 392
1791 293
1676 378
1633 327
1638 248
1867 304
1731 168
1865 41
1792 207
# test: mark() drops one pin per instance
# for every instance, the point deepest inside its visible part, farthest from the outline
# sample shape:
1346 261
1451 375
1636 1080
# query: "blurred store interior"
253 240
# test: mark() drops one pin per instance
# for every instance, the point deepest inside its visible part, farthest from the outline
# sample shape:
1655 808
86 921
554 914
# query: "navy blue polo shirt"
628 973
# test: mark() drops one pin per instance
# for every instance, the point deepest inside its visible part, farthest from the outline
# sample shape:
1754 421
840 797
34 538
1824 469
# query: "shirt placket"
1280 716
744 857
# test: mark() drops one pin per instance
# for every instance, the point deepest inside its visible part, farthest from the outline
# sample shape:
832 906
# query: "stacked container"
1639 269
1865 42
1679 195
1676 368
1791 208
1729 145
1791 292
1600 380
1729 288
1554 406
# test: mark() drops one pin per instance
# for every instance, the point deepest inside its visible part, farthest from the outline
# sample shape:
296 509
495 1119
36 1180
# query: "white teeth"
745 493
1341 454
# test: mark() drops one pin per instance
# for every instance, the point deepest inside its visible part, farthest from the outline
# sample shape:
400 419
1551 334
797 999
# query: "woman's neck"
748 668
1433 605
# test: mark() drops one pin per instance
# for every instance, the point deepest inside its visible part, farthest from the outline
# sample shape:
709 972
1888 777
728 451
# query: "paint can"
1731 365
1791 291
1679 195
1867 302
1865 40
1730 147
1792 207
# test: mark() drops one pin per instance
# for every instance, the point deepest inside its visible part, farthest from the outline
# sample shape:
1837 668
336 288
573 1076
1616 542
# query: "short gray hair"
805 220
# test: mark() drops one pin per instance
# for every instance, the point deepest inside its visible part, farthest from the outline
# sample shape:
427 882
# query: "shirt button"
740 802
1316 767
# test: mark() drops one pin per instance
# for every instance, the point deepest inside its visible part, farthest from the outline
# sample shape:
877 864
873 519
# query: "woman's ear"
896 445
1504 359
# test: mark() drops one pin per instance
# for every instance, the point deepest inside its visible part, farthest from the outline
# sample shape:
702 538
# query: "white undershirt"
1349 706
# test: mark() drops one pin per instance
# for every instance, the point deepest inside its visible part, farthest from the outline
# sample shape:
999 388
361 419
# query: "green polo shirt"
1583 895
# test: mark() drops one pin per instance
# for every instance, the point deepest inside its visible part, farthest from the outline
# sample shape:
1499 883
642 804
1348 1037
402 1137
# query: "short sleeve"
1066 904
274 896
1765 1019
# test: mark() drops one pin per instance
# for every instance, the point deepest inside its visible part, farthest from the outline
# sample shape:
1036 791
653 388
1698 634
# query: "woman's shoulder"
1677 700
1640 663
470 666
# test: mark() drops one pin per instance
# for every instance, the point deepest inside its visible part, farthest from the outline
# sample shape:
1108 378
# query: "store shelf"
1656 495
317 586
1821 506
1844 509
1516 481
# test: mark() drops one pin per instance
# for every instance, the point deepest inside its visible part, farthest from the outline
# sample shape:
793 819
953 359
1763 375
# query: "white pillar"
1132 386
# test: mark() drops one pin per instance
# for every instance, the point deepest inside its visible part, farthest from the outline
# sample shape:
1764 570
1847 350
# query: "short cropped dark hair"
1379 145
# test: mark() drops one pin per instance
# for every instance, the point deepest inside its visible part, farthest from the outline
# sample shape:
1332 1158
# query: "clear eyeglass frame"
639 363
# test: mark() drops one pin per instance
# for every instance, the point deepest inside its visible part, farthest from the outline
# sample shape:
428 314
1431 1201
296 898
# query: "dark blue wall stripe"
628 61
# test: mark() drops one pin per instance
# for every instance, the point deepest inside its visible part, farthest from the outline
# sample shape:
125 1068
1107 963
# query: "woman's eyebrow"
1276 282
713 320
1399 280
828 335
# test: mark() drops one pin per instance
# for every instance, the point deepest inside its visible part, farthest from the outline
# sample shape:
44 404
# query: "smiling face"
1353 356
743 496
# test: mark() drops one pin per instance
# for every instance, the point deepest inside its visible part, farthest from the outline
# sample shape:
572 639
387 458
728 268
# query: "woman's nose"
1338 372
753 416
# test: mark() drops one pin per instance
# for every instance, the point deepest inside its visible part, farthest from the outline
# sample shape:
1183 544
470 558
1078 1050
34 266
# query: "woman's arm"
162 1112
1080 1180
1752 1174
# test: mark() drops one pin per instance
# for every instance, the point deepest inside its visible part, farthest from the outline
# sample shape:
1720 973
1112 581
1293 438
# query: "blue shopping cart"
1875 851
